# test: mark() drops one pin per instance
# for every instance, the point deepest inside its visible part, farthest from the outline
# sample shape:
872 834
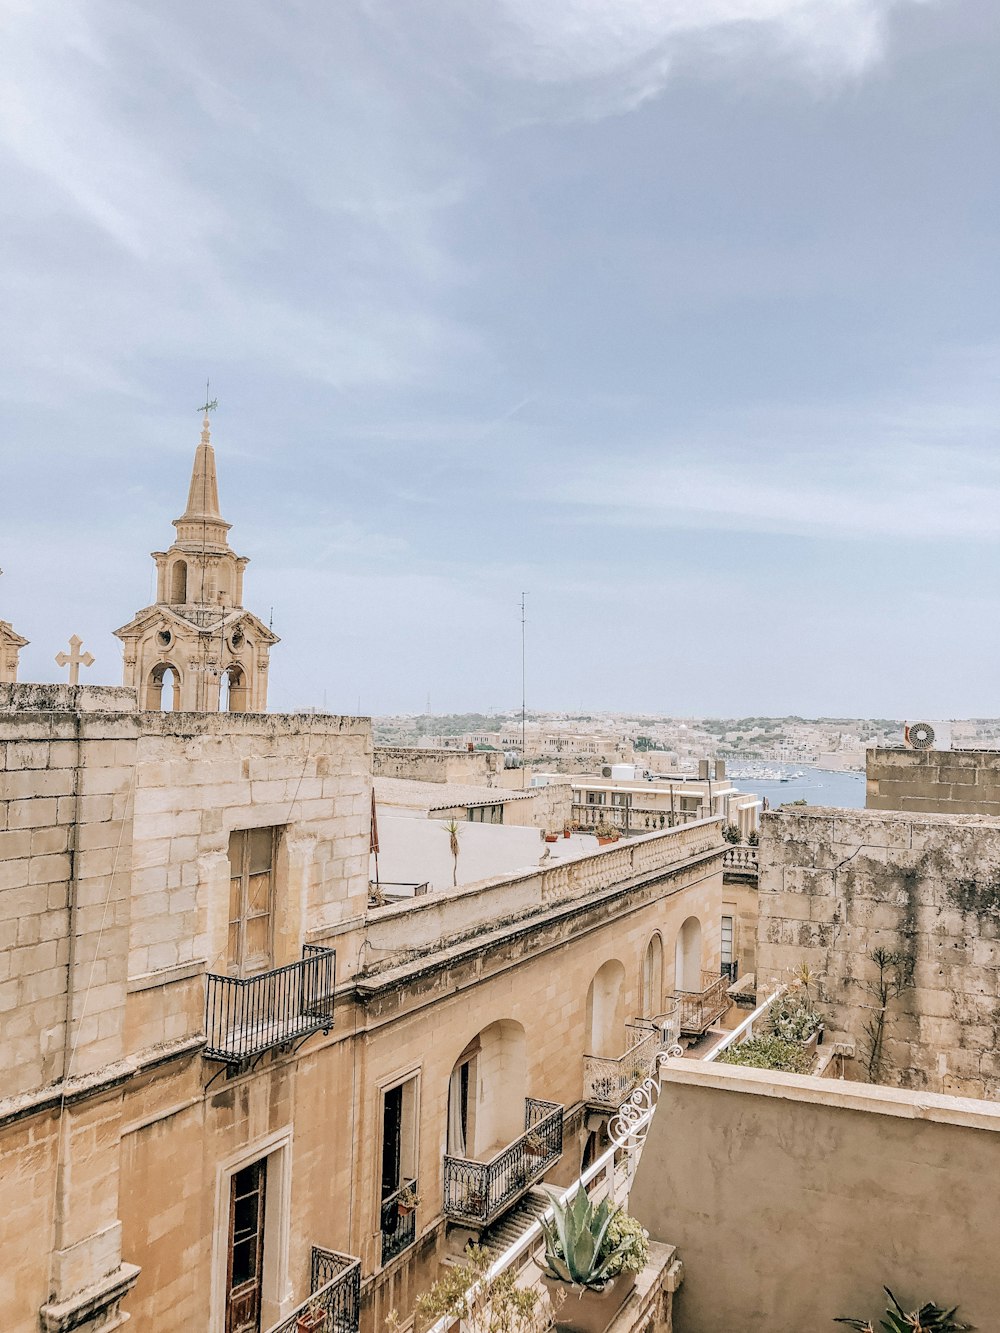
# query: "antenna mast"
523 694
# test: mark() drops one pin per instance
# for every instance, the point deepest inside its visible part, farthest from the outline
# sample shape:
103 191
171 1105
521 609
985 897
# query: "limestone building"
197 649
11 644
233 1082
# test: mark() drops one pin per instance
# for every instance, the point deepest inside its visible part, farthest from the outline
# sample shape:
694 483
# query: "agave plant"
930 1318
580 1246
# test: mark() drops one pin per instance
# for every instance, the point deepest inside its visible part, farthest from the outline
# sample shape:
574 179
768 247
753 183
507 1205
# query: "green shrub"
770 1052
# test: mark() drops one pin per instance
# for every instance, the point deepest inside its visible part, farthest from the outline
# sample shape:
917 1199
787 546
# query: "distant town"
576 741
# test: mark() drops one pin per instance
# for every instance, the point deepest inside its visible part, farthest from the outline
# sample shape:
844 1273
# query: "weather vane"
210 404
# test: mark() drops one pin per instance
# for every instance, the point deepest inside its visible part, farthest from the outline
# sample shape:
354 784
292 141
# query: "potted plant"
606 833
792 1018
567 830
552 837
929 1318
311 1320
592 1254
534 1144
406 1200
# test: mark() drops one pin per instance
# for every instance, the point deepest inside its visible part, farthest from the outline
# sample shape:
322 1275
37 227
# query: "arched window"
233 694
606 1011
179 582
687 956
652 977
487 1089
163 689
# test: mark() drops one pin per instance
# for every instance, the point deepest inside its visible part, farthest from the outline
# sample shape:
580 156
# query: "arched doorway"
233 694
163 689
486 1091
179 582
652 977
687 956
606 1011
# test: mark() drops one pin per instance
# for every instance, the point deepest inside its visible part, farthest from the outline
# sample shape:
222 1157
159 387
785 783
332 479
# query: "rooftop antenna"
523 692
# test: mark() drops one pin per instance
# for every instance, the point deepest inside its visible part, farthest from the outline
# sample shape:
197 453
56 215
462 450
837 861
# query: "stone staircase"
509 1229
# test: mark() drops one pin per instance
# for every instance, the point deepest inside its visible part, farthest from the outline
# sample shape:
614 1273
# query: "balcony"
608 1082
334 1305
478 1192
246 1016
698 1010
631 818
398 1221
740 863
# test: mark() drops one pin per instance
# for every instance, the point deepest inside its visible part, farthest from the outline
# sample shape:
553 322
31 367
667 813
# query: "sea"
818 786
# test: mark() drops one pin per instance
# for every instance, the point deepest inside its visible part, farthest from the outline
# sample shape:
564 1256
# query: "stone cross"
74 659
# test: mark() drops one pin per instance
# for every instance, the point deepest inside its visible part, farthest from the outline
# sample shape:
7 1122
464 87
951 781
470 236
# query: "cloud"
923 469
610 56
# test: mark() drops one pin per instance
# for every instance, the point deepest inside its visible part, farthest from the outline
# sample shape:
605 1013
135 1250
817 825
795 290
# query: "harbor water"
816 785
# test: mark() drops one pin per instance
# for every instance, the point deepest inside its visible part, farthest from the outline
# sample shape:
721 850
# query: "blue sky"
681 315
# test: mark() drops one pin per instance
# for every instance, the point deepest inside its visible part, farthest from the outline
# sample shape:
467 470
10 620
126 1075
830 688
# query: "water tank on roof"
623 772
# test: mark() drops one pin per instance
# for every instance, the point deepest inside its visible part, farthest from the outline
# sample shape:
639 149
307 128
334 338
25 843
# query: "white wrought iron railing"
612 1175
746 1029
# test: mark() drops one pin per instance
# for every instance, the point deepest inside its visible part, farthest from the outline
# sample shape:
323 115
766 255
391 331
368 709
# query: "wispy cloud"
610 56
927 469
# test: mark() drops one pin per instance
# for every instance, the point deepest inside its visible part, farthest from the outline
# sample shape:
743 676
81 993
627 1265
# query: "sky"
680 316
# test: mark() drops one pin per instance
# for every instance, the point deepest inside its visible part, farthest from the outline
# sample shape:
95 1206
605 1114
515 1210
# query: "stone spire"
202 521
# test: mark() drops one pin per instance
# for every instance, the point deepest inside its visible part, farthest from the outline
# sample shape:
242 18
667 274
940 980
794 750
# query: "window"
485 814
595 798
726 956
399 1135
251 900
245 1268
399 1167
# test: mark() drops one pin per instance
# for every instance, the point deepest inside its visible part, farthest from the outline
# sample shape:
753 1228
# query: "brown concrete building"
792 1199
228 1080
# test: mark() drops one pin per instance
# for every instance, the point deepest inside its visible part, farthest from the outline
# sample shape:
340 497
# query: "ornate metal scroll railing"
611 1175
479 1192
398 1221
698 1010
246 1016
334 1305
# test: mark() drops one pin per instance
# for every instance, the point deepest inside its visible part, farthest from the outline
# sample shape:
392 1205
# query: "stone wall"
477 767
835 885
948 782
792 1200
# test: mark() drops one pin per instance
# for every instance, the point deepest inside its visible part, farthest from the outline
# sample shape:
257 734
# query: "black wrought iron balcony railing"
334 1303
398 1220
246 1016
479 1192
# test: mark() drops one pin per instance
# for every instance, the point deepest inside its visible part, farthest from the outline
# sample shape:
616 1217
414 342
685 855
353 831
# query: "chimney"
703 770
720 769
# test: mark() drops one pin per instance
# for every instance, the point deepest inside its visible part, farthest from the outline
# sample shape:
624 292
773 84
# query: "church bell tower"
196 649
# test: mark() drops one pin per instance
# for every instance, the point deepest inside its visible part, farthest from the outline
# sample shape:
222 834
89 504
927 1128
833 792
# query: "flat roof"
414 794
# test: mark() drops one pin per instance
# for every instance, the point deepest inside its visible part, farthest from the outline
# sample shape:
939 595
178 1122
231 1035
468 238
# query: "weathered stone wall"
479 767
947 782
837 884
792 1200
